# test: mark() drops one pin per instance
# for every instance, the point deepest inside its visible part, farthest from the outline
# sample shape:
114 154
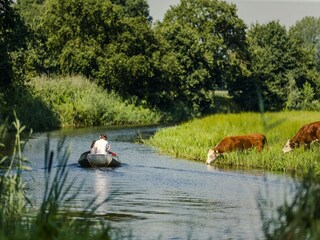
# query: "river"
155 196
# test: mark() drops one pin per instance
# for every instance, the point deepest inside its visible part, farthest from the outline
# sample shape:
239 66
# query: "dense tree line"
174 65
282 70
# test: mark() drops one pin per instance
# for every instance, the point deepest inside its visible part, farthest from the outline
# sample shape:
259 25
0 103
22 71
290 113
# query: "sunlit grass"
193 139
78 102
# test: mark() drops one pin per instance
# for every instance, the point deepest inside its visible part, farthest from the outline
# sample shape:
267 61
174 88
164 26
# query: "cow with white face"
288 147
212 156
306 135
240 143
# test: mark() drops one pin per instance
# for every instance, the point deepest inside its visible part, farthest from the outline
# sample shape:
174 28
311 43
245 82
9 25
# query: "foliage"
6 27
193 139
78 102
13 44
30 11
308 31
32 110
12 41
110 41
299 217
277 61
12 189
113 43
174 66
127 65
205 43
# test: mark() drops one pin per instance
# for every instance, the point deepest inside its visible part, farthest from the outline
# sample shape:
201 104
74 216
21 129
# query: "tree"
126 65
206 43
308 31
13 39
74 32
7 22
134 8
109 41
30 11
13 44
277 62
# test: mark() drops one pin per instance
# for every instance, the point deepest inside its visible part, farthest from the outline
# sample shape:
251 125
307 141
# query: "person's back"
101 146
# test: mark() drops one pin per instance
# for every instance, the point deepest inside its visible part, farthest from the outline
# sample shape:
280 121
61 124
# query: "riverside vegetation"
77 102
175 66
193 139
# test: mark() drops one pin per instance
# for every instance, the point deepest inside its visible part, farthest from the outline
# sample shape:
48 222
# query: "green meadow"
192 140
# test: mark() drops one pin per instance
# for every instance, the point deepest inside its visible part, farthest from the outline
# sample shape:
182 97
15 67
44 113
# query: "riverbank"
74 101
193 139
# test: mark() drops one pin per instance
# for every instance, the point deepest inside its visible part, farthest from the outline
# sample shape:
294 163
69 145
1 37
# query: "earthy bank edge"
193 139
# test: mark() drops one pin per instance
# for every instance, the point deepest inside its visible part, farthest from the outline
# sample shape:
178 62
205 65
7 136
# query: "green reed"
193 139
12 195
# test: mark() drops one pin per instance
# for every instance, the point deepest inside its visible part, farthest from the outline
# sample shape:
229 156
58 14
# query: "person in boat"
102 145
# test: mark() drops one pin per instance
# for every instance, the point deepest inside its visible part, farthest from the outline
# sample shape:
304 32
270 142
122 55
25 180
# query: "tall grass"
12 195
50 221
193 139
78 102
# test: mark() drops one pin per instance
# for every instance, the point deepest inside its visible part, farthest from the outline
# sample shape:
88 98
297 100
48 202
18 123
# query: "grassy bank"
79 102
193 139
50 103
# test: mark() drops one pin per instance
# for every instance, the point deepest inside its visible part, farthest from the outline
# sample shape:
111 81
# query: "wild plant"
12 195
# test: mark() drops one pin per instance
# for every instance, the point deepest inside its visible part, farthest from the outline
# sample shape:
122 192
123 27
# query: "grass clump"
193 139
77 102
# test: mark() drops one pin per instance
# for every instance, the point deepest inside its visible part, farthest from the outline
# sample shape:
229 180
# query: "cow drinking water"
306 135
238 143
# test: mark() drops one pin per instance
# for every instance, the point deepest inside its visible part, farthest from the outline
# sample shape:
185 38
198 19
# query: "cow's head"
212 156
288 147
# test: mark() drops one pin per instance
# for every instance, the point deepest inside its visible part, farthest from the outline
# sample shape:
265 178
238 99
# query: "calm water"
159 196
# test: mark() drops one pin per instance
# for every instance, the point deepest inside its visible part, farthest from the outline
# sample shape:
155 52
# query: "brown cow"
239 143
306 135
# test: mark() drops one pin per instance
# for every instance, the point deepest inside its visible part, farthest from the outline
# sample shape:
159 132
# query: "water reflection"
101 185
